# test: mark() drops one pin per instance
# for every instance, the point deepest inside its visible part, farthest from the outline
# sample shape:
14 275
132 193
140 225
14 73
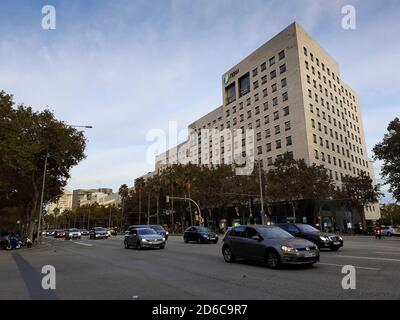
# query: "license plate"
310 254
336 243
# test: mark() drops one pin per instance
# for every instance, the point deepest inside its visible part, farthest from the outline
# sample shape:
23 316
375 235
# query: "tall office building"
289 92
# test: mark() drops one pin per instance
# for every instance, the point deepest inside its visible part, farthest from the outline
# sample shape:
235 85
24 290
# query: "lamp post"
261 192
44 182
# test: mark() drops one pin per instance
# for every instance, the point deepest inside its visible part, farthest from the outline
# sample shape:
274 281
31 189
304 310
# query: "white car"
72 233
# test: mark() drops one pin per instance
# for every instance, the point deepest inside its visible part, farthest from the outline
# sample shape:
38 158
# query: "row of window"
350 114
271 62
278 145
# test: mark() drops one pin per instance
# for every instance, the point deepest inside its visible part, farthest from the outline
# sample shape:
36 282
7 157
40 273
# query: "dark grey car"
271 244
144 238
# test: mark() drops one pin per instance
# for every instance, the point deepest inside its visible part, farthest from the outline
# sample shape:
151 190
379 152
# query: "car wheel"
228 255
185 239
138 245
126 244
272 260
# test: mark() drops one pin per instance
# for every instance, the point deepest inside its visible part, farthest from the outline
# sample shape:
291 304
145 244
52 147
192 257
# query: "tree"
124 193
389 152
26 139
390 214
291 180
361 191
139 187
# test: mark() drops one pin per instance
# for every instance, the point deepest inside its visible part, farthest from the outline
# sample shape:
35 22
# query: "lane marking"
369 258
342 265
83 244
388 252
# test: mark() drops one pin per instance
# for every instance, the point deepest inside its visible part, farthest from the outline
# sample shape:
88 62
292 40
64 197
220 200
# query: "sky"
126 67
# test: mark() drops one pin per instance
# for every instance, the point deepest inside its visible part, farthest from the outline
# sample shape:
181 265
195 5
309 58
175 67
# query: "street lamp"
44 181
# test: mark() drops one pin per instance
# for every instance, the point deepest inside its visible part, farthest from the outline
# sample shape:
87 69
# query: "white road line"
342 265
388 252
369 258
83 244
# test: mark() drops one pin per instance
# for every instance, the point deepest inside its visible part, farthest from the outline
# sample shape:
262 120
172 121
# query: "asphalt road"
103 269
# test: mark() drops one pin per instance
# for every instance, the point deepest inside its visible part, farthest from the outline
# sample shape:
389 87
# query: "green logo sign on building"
226 78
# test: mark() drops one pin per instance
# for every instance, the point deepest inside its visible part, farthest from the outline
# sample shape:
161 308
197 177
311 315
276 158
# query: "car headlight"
166 232
205 236
163 239
324 238
144 240
340 238
289 249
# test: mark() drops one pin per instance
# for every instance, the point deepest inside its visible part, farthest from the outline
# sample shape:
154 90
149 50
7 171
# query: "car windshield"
73 230
306 228
274 233
202 229
146 231
100 229
157 228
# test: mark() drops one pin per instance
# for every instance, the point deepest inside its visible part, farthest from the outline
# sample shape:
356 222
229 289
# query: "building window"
266 119
265 92
282 68
269 161
255 84
244 85
249 114
272 61
265 105
255 72
274 87
305 50
259 150
288 141
275 101
277 129
272 74
230 93
283 82
276 115
314 138
257 110
316 154
264 80
284 96
286 111
278 144
269 147
263 66
281 54
287 125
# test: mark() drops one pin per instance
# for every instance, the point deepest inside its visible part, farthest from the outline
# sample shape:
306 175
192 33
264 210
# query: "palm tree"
139 186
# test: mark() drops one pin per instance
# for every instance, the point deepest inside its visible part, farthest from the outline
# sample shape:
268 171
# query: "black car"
270 244
321 239
200 235
156 227
84 232
98 233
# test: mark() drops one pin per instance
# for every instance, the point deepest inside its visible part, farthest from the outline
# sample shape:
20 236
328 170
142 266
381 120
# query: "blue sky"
127 67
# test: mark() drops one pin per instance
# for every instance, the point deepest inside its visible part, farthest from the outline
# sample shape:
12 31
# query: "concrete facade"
289 92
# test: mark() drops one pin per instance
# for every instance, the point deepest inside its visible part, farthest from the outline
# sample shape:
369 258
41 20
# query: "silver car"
144 238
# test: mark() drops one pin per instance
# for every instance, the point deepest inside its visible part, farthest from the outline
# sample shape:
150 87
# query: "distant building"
102 196
63 203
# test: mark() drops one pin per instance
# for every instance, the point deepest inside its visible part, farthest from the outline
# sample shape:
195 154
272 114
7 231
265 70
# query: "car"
98 233
388 231
144 238
59 233
50 232
84 232
269 244
112 232
200 235
72 233
321 239
396 232
156 227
